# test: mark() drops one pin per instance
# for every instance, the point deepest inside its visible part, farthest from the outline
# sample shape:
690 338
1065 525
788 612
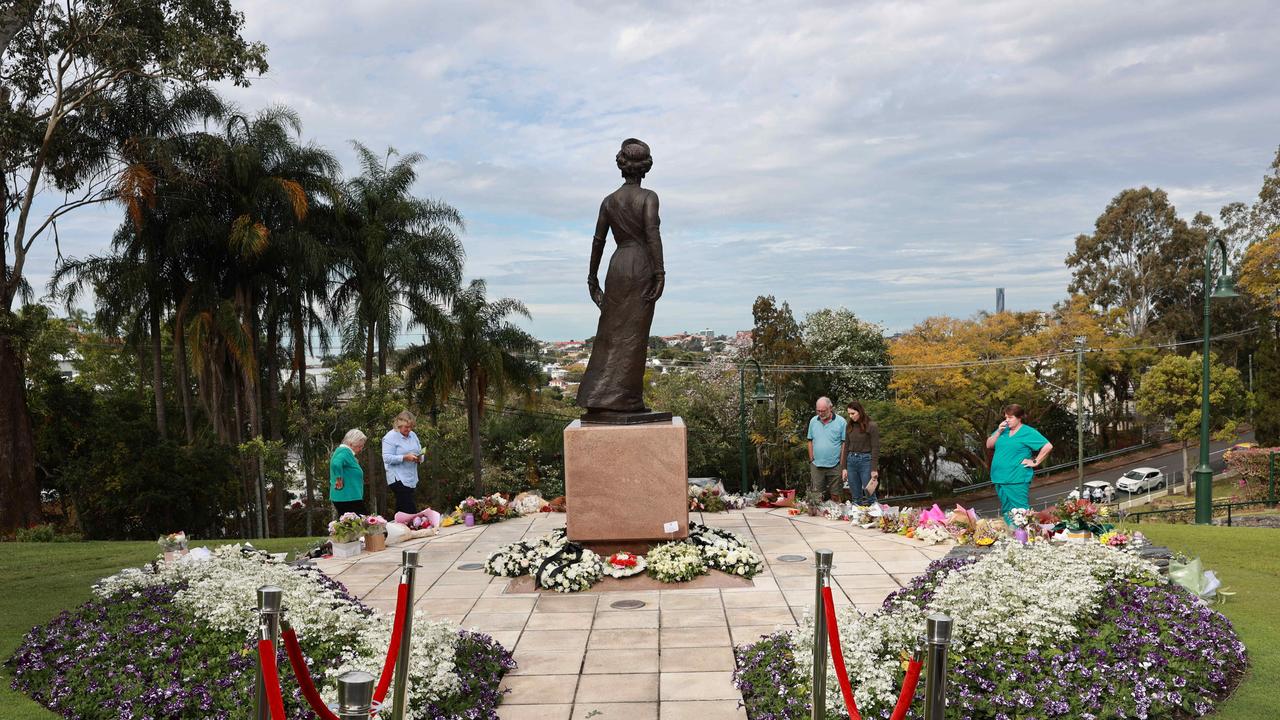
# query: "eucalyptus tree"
473 347
60 59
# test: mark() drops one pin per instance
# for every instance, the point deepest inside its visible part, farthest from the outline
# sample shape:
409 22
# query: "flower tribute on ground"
557 564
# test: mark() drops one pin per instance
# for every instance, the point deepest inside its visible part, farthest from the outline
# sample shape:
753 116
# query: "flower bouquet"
705 499
1025 529
345 534
738 502
1081 519
375 533
933 534
622 565
1115 538
783 498
173 545
488 509
987 532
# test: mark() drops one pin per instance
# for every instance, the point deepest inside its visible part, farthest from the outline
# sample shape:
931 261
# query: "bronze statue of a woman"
612 389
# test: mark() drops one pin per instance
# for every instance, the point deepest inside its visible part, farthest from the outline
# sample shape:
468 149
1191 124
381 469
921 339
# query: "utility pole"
1250 388
1080 415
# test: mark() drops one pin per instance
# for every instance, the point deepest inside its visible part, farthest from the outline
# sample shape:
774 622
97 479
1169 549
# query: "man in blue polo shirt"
826 452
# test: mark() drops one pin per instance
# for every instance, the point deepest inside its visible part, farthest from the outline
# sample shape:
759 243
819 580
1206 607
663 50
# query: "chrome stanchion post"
938 642
270 599
400 698
822 559
355 695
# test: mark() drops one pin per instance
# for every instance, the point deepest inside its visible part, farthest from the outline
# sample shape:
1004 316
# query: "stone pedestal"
623 483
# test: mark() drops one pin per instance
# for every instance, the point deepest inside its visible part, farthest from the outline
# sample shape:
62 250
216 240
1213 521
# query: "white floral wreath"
725 551
514 560
676 562
571 568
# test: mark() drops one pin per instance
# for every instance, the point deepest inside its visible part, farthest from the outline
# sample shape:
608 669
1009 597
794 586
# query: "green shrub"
46 533
36 533
1253 468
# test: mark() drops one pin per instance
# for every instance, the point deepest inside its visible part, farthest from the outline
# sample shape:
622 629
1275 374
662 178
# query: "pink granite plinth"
623 483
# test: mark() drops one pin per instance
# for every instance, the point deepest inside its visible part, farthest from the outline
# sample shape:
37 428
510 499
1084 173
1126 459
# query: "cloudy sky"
902 159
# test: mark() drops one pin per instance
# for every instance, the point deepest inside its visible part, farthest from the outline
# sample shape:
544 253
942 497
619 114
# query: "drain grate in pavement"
627 604
471 566
792 558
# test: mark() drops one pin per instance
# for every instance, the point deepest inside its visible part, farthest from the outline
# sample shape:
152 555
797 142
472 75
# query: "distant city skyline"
900 160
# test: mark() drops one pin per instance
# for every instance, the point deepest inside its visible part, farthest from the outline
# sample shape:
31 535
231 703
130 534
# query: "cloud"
900 159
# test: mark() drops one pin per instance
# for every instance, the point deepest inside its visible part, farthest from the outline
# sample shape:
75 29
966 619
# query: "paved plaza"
671 659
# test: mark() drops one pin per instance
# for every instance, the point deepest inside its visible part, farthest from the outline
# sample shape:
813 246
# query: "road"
1045 495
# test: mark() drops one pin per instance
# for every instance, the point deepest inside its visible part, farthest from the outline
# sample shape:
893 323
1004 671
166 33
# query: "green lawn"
1247 560
41 579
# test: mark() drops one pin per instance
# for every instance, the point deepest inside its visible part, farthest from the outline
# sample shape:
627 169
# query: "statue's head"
634 159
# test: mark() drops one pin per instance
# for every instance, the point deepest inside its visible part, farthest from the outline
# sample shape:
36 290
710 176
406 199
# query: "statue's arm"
597 252
653 238
597 246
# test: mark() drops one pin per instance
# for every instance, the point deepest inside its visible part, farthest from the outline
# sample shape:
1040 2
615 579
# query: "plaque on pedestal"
626 483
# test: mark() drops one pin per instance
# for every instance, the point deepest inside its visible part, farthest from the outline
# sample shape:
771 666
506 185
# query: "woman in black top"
862 442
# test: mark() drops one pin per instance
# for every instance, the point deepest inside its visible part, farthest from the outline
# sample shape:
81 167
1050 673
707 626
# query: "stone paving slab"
671 659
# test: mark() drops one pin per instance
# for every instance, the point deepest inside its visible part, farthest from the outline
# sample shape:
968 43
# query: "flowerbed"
1041 631
176 640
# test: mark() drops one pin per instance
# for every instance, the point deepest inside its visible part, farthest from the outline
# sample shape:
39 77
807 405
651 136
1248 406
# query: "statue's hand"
656 286
597 295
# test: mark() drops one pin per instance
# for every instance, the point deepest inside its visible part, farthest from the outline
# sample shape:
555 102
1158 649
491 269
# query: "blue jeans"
859 465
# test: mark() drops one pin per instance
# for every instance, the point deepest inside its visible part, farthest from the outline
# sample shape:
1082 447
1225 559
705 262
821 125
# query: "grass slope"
1247 560
42 579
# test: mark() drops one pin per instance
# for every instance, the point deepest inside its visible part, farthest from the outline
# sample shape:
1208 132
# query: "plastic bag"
1192 576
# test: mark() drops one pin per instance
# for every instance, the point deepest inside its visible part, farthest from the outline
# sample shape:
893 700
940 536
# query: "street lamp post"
760 395
1080 415
1203 473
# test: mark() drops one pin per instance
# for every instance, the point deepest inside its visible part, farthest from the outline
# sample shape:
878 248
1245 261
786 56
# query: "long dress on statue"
614 381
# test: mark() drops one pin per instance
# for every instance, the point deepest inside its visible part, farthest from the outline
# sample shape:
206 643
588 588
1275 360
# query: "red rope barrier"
393 650
837 657
271 678
303 674
908 690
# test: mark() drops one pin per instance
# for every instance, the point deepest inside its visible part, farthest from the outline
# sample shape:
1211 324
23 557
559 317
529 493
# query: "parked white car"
1099 491
1141 480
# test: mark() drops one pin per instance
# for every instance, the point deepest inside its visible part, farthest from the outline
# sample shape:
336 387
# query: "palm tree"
256 268
150 134
395 246
473 347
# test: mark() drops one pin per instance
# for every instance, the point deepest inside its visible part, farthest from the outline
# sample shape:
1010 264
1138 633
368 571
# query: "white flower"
222 593
997 601
675 562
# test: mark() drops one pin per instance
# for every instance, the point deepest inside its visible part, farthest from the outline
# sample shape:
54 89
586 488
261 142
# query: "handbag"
871 486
